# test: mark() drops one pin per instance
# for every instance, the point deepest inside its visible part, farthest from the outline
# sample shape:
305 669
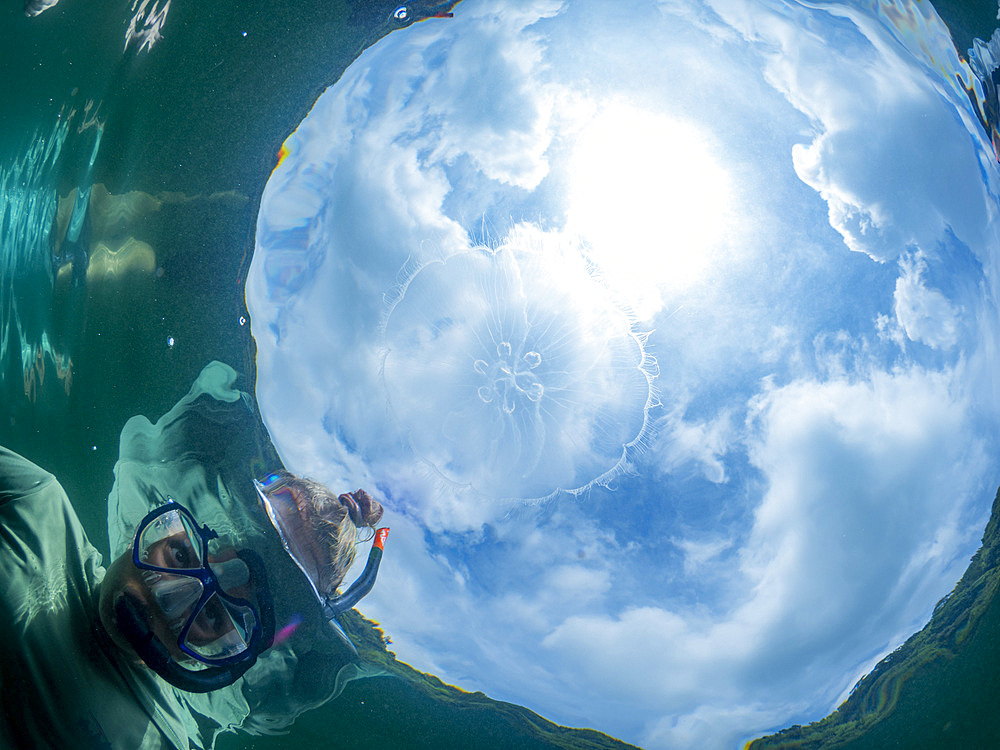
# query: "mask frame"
133 616
202 572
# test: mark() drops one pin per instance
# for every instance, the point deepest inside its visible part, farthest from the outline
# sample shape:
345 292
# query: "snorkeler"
159 650
216 609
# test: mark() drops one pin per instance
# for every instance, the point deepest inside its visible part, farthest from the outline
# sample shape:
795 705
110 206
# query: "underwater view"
536 374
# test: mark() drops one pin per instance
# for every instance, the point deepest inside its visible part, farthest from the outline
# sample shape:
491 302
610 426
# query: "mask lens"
220 629
176 595
170 542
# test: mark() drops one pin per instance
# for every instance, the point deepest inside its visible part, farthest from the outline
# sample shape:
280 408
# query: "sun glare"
649 197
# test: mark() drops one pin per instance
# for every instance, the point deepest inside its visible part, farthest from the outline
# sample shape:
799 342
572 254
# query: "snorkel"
286 519
360 588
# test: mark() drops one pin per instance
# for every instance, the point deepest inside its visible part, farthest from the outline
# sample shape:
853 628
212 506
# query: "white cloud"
855 472
717 726
863 98
703 443
850 530
480 623
699 552
924 314
488 109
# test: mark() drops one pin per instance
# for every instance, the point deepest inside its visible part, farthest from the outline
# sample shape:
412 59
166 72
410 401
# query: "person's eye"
181 555
212 618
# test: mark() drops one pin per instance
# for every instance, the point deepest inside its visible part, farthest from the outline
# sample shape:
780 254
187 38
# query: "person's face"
123 576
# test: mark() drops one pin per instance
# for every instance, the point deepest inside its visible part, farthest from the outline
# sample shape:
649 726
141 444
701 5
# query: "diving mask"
219 607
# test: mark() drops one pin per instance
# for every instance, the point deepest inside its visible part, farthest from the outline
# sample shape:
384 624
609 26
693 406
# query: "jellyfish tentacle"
513 372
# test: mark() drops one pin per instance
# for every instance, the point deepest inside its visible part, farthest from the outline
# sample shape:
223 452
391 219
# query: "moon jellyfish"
513 371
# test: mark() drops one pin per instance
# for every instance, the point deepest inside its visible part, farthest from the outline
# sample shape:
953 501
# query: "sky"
664 330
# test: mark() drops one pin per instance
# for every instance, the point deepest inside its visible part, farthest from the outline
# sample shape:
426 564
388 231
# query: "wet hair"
333 527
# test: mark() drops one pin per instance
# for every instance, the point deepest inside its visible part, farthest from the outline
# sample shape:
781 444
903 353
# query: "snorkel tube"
132 619
284 519
361 587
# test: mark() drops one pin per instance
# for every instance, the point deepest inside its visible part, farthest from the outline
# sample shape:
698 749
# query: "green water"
198 125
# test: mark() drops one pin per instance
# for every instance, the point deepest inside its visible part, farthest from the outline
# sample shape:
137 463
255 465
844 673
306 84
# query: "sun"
649 197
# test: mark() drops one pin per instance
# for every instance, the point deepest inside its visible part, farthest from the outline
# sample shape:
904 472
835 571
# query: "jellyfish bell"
513 371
